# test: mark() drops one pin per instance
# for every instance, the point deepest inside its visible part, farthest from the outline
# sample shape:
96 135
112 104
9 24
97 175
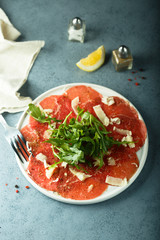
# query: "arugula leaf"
76 139
36 113
54 164
39 115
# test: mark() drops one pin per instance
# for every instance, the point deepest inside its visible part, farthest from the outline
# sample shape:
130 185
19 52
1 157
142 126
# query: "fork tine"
14 148
26 144
18 139
29 149
18 145
22 138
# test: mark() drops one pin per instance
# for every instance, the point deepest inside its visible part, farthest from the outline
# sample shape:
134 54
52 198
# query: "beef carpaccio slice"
124 159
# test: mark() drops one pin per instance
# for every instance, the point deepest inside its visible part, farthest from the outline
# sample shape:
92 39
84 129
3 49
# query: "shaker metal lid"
77 23
123 51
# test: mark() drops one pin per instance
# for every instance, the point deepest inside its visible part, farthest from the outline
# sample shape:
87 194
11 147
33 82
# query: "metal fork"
16 140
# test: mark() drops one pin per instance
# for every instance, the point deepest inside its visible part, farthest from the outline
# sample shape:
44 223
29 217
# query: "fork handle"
3 121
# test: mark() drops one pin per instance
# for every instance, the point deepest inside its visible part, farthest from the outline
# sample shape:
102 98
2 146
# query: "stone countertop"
135 213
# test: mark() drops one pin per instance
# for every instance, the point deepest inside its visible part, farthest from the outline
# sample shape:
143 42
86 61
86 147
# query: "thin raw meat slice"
134 125
31 136
88 97
71 187
120 106
36 171
63 180
126 164
50 102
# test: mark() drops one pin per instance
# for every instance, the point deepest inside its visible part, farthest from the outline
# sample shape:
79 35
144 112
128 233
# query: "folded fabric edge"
13 33
22 101
14 109
8 32
4 17
40 44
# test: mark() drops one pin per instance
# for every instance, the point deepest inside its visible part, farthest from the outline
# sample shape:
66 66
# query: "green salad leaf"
76 140
39 115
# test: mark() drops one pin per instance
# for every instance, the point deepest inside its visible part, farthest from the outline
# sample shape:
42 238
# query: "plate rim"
115 190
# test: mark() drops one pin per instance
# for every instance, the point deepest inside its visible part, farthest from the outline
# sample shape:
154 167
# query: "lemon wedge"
93 61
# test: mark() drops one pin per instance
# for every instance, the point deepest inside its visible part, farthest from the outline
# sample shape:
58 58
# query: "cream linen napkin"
16 60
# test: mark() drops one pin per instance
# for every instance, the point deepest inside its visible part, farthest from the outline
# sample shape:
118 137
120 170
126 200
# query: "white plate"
111 191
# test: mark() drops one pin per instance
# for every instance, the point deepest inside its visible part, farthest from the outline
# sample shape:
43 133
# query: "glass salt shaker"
76 30
122 58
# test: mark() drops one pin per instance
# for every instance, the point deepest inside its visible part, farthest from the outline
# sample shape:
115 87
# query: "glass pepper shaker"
76 30
122 58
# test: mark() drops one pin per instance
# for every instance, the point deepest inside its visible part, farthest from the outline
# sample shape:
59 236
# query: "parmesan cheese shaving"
49 172
90 187
108 100
122 131
81 176
74 104
101 115
115 120
119 182
64 164
46 165
128 138
47 134
111 161
41 157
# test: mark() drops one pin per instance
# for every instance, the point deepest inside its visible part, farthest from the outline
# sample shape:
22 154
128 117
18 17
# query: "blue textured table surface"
135 213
